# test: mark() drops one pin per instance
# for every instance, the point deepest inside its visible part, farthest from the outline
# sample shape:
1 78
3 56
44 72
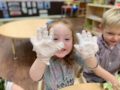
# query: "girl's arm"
45 48
37 70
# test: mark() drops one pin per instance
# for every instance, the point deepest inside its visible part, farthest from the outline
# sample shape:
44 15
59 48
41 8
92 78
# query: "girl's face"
111 36
63 34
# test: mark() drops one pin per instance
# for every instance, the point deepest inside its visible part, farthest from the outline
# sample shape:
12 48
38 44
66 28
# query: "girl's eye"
55 39
67 39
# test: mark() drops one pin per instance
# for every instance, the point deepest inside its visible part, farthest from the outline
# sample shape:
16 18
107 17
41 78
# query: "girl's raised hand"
44 45
87 46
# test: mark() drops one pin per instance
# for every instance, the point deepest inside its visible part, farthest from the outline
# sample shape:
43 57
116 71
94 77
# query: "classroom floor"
18 70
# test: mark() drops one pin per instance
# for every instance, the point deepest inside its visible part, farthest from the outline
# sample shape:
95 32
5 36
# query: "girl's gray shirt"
108 58
57 75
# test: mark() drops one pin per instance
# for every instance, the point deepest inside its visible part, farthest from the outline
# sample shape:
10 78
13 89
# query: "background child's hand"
87 46
44 45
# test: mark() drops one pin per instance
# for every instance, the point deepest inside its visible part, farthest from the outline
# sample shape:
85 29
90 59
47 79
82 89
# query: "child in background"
56 56
7 85
108 55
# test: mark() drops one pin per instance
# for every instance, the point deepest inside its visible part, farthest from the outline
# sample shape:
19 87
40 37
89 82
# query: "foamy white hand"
44 45
87 46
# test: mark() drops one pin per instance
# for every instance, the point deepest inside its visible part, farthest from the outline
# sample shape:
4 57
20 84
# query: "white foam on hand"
87 46
44 45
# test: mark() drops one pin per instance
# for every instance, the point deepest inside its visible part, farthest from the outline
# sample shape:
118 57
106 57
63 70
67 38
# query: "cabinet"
94 13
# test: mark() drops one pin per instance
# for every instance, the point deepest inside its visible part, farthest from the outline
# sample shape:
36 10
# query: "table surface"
22 28
87 86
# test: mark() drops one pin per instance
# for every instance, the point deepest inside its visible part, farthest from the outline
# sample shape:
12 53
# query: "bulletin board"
9 9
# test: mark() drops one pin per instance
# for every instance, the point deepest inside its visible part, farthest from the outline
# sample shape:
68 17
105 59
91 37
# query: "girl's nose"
62 41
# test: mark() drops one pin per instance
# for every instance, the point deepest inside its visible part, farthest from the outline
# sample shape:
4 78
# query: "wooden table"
21 29
86 86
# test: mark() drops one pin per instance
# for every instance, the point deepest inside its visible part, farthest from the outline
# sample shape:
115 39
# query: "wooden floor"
18 70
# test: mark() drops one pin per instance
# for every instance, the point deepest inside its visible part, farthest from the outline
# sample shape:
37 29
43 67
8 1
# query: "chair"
79 74
75 10
70 8
40 85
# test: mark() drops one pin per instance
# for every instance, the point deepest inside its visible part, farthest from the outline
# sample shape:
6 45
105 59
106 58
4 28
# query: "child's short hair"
111 18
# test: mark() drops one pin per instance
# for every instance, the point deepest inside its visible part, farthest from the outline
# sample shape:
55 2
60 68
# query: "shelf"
96 33
94 13
100 6
95 18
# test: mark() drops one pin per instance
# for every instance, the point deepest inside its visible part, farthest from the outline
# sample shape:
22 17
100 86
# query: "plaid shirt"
108 58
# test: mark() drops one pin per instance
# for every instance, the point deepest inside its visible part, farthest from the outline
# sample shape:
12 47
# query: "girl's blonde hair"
69 59
111 18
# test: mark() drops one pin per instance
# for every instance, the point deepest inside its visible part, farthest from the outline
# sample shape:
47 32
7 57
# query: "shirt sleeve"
8 85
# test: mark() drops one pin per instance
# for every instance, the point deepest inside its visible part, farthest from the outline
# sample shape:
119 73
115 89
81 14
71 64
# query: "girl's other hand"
87 46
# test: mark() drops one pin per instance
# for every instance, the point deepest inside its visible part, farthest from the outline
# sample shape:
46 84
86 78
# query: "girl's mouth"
62 50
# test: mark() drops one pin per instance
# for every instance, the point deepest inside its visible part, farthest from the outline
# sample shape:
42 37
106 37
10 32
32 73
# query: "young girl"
56 56
7 85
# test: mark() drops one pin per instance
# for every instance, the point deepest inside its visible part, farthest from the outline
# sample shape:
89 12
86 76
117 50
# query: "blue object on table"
74 8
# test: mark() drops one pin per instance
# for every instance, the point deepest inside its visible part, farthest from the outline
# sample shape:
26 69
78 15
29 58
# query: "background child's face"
111 36
63 34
